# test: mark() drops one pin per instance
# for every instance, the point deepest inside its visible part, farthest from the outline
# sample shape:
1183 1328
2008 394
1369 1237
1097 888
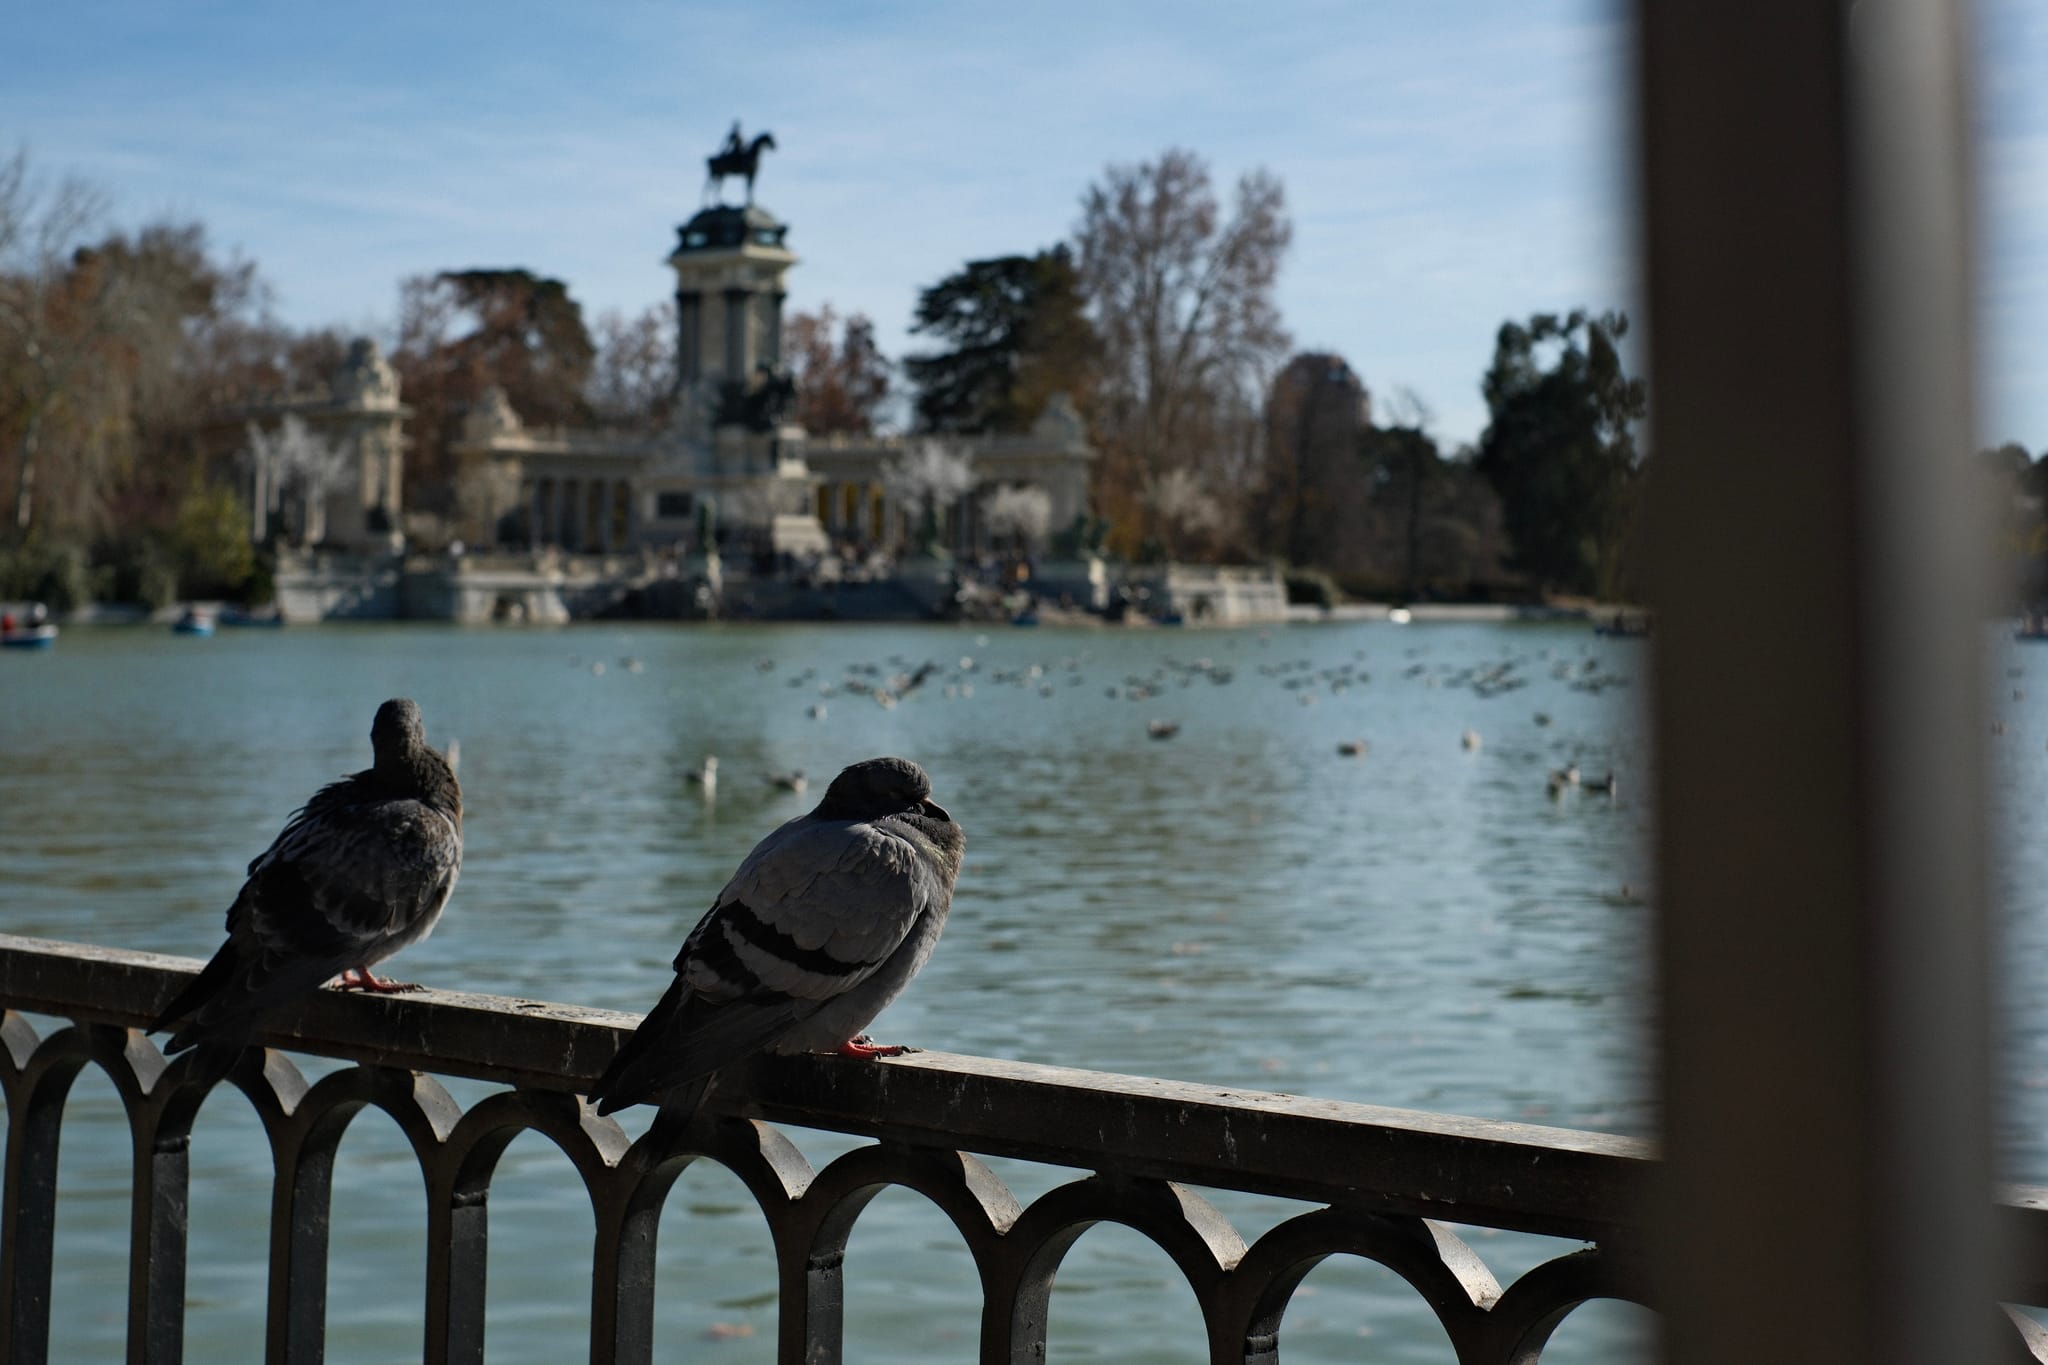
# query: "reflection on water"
1420 925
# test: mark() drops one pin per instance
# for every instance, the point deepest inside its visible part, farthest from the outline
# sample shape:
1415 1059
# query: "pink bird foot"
363 979
865 1046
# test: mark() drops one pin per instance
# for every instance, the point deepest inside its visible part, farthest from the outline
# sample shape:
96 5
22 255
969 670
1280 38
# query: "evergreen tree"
1560 449
1017 337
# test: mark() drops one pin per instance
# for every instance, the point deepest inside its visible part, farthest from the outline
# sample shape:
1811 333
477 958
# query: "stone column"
259 494
735 335
689 337
315 519
607 495
533 531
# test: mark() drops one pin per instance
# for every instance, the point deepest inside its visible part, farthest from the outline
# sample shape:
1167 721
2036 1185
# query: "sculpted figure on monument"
773 400
762 401
736 157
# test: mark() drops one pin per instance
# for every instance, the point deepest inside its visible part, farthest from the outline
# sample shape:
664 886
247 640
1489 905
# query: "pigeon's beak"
934 810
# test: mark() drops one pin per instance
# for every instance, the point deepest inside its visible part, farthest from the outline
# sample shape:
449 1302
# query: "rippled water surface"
1420 926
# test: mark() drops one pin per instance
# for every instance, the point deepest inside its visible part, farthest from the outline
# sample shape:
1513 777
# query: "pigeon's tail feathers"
685 1038
224 1035
203 990
625 1081
227 1000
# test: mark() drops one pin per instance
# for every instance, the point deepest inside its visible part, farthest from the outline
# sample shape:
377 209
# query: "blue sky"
1448 164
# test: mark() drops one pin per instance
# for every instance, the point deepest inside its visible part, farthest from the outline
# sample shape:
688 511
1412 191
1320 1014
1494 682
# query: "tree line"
121 351
1158 319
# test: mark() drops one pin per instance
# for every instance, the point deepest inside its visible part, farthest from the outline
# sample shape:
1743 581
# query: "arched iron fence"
1383 1183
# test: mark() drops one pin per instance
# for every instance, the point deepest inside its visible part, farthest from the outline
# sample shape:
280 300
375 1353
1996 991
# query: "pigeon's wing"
357 877
342 881
813 912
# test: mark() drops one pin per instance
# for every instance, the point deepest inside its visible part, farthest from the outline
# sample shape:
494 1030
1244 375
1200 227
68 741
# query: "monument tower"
730 264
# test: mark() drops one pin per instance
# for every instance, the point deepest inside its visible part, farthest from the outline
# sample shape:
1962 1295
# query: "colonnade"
587 516
864 511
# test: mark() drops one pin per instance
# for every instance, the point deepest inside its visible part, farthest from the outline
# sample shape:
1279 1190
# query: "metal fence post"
1804 173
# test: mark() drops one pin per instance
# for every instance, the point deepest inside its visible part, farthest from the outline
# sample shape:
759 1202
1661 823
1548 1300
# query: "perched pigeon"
359 872
822 926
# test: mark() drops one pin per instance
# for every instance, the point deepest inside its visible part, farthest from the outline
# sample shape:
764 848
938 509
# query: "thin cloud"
1448 166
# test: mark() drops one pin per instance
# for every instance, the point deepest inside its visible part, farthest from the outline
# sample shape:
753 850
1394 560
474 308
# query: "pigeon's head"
879 787
397 731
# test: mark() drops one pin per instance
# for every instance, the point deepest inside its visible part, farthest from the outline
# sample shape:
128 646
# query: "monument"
732 499
734 474
735 414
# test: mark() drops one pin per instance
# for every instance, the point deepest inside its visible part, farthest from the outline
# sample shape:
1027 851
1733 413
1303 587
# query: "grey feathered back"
824 923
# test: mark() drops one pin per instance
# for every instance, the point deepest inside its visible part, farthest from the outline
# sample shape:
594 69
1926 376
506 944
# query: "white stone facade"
732 454
357 425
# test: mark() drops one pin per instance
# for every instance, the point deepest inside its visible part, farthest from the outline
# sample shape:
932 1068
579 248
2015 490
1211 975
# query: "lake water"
1420 926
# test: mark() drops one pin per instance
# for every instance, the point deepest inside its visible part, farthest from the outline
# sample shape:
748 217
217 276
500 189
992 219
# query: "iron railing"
1384 1181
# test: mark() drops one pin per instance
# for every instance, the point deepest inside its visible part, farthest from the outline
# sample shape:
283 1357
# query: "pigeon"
359 872
823 925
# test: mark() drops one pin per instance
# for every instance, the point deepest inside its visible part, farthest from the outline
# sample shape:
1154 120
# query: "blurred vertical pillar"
1805 187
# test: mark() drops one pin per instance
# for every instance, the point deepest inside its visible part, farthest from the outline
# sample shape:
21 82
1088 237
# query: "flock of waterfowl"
890 682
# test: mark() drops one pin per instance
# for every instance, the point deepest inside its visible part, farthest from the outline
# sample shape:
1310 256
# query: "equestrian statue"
737 157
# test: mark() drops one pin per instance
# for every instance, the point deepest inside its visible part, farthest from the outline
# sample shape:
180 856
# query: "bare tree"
633 379
110 345
1404 407
1181 297
842 378
54 316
